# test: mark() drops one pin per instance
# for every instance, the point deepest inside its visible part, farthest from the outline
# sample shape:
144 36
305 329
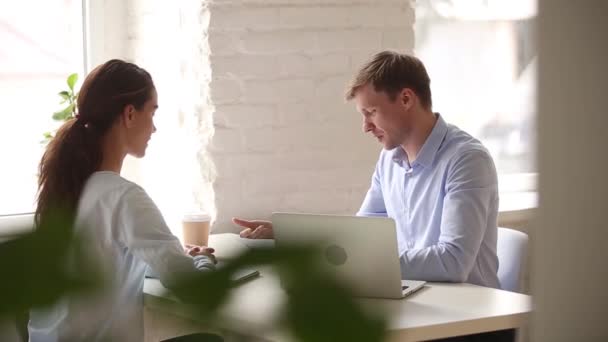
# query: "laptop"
360 250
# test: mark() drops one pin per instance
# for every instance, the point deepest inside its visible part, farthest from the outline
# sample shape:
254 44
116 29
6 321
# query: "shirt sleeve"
471 185
146 235
373 204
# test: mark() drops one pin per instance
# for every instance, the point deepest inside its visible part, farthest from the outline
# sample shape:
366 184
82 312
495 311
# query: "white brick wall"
284 137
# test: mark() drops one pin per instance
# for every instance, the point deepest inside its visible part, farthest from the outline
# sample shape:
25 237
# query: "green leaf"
47 138
65 114
65 95
71 111
72 80
58 116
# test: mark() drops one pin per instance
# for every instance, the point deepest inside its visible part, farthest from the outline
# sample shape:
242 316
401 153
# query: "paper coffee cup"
196 228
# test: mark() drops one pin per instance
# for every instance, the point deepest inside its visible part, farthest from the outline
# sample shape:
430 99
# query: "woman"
80 173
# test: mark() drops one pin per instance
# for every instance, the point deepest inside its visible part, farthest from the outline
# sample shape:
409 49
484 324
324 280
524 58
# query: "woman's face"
141 127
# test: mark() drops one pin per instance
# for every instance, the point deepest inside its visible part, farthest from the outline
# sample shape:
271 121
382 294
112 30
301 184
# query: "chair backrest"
512 251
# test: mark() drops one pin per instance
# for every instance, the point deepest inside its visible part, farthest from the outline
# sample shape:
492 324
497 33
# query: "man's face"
386 119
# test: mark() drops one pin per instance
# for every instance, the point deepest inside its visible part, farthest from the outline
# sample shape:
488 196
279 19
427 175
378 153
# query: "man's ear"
128 116
407 97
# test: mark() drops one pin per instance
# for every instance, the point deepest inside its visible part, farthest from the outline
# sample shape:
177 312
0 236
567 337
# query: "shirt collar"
429 148
398 156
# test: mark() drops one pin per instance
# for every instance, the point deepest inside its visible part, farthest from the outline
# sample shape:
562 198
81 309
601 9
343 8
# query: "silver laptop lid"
360 250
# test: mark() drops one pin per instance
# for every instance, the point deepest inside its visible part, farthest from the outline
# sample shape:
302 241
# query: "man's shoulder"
465 156
459 144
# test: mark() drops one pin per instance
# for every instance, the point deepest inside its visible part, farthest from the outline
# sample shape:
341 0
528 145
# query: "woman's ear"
128 115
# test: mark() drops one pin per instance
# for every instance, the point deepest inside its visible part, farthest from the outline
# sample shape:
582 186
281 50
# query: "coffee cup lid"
197 217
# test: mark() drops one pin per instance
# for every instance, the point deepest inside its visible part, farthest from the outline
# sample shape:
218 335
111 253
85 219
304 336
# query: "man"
437 182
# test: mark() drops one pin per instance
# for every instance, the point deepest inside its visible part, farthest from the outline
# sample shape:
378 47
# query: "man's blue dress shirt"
445 206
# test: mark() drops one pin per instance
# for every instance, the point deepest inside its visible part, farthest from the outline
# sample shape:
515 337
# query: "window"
42 43
481 57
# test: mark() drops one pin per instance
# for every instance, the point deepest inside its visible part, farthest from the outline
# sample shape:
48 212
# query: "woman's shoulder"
104 183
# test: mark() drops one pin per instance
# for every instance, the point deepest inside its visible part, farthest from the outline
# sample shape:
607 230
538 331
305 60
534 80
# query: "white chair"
512 251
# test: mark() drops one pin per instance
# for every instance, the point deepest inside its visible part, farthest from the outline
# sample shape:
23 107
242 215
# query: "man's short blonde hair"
391 72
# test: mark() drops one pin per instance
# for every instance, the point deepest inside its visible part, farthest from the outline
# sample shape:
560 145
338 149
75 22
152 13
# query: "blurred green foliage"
318 308
35 270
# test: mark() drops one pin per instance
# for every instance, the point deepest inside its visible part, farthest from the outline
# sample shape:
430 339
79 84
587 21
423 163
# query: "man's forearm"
441 262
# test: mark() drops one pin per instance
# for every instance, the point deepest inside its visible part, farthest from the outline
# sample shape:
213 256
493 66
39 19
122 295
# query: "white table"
439 310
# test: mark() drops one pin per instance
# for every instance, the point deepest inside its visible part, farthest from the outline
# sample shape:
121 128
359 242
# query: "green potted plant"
68 98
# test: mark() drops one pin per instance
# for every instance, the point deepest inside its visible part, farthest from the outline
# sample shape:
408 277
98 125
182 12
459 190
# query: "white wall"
569 276
285 140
